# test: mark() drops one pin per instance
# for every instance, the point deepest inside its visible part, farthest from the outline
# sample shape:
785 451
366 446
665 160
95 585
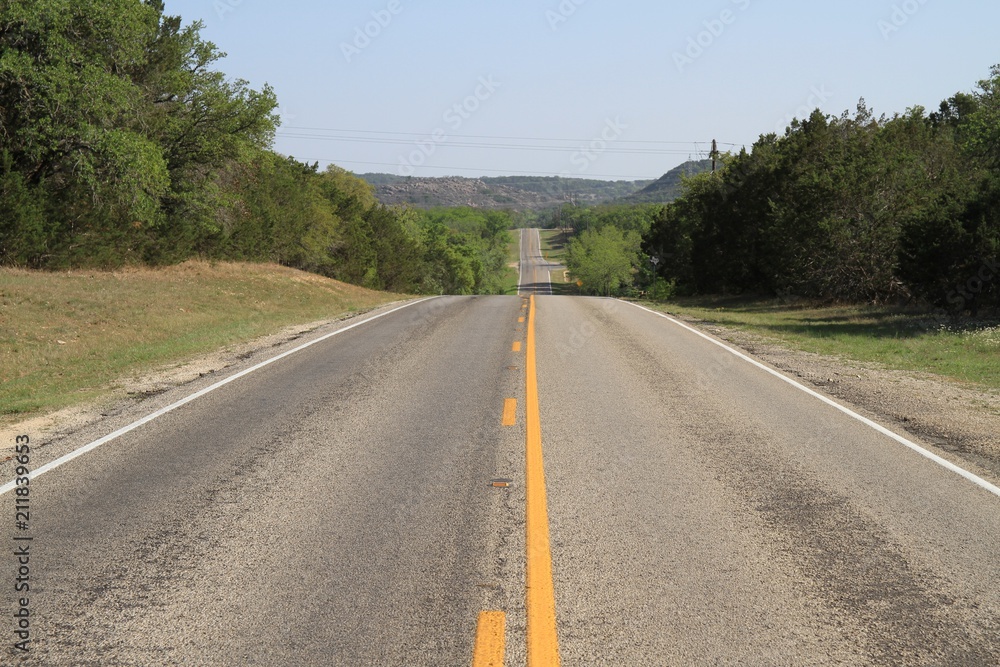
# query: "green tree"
202 122
604 260
950 245
670 241
464 242
67 110
449 267
982 121
24 238
112 115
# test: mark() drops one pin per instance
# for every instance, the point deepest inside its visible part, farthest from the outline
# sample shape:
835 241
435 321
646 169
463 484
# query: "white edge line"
520 259
66 458
548 273
975 479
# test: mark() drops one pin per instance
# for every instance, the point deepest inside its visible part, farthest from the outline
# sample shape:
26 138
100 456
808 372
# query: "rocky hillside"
669 186
513 192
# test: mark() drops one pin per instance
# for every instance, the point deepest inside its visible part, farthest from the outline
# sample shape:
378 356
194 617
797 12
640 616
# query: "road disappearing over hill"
535 269
363 500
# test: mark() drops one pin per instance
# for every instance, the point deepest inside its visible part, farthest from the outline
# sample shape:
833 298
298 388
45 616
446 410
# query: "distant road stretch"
535 270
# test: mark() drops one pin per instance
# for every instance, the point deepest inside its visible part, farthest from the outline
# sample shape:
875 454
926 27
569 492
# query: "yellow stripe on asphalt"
490 641
516 347
509 411
540 599
520 320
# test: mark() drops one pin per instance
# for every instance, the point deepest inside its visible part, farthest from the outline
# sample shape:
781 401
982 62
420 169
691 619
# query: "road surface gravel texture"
336 508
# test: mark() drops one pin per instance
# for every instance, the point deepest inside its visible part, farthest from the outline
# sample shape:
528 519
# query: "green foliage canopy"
604 260
849 208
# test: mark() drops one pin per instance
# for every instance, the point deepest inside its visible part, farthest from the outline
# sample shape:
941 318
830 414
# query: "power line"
521 147
427 135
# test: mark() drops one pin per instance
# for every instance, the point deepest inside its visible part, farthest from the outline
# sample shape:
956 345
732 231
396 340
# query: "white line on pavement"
520 260
975 479
52 465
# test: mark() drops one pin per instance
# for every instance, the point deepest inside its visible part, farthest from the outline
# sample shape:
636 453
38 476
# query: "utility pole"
715 154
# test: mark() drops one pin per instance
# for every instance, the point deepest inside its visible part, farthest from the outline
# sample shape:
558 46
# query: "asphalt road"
535 274
336 508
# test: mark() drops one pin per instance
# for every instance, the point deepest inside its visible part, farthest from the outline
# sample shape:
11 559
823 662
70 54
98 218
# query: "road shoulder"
962 420
131 391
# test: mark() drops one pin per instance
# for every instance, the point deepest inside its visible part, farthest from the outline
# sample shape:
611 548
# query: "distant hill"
669 186
512 192
579 189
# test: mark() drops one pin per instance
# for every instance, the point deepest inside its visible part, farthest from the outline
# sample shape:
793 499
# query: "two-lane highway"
535 269
338 507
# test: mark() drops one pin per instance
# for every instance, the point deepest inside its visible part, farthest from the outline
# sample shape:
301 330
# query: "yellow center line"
520 320
509 411
490 641
516 347
540 599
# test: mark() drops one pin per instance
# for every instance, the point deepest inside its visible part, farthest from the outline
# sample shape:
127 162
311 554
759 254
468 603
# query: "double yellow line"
540 601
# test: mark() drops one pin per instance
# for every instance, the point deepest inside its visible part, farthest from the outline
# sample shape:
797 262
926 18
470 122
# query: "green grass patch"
68 337
895 338
510 281
555 243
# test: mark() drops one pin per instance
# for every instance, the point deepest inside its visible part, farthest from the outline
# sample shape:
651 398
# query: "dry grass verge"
67 338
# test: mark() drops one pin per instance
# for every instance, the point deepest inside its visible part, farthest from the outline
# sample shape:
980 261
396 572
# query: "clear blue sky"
548 78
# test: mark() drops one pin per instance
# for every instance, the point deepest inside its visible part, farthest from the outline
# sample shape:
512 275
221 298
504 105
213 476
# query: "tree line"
850 208
122 143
